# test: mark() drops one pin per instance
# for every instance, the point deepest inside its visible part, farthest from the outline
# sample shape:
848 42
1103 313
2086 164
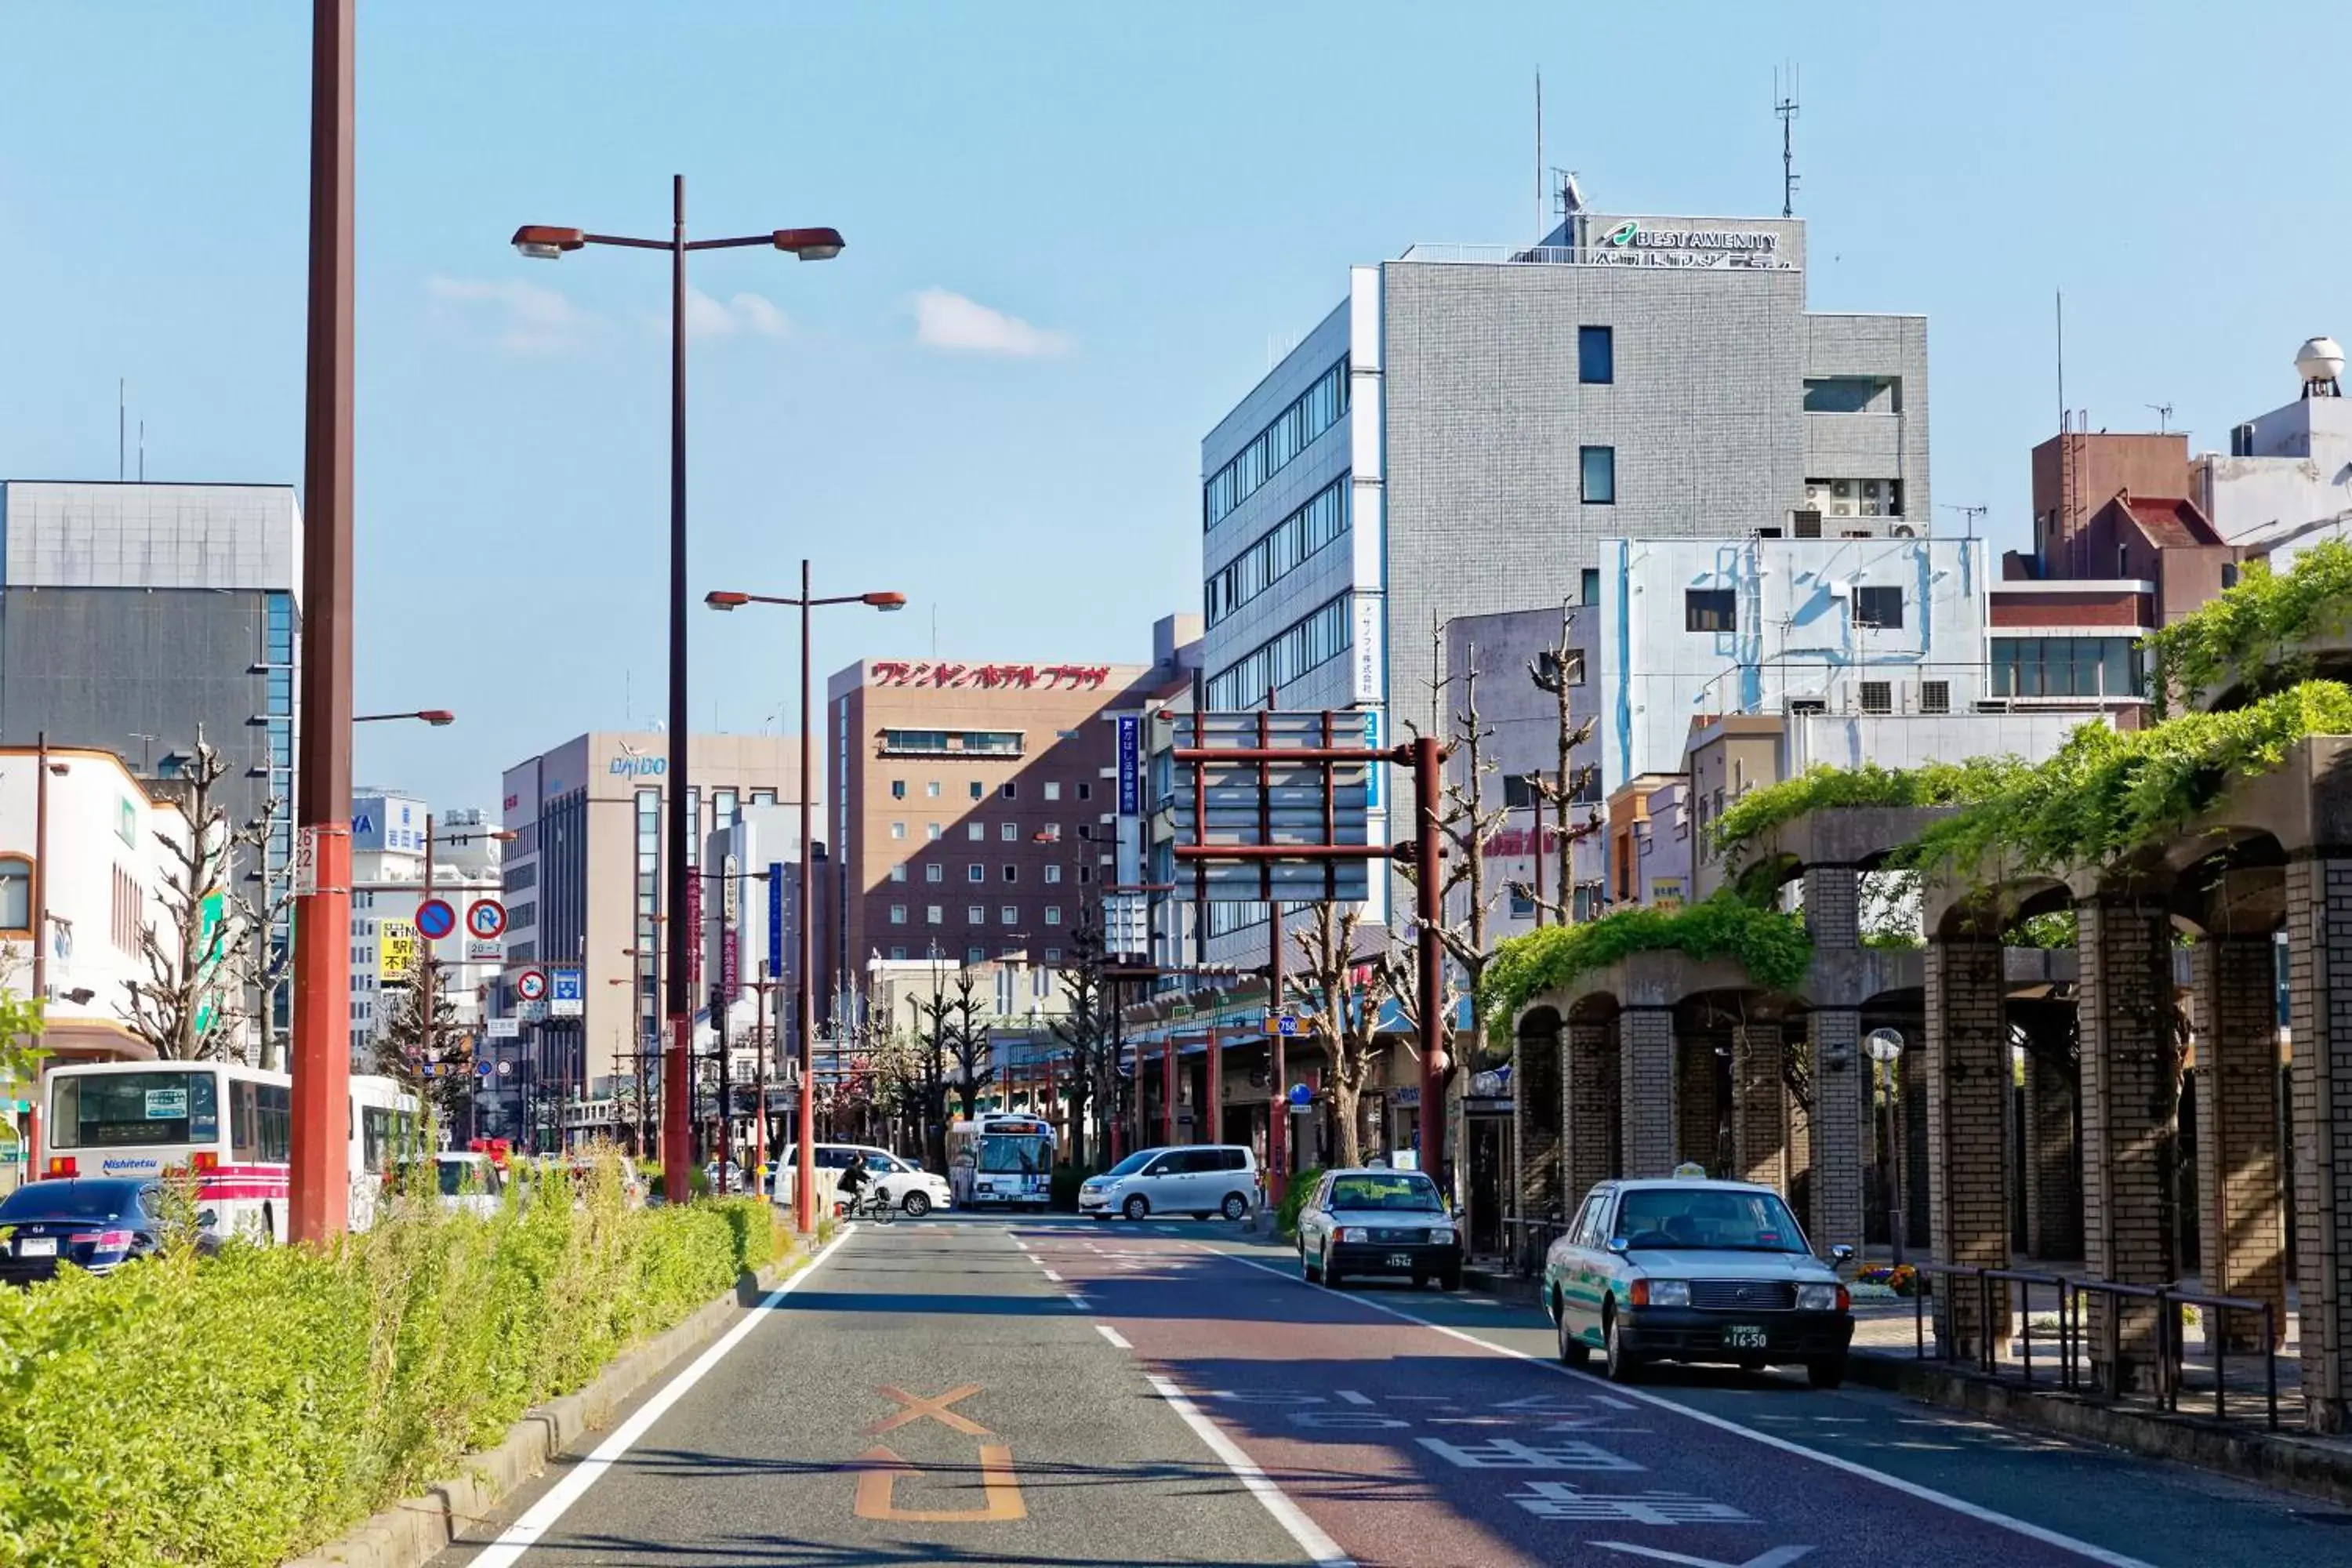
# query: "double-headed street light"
547 243
804 1026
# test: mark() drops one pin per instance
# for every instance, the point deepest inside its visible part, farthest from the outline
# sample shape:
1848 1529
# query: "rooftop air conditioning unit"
1806 523
1903 531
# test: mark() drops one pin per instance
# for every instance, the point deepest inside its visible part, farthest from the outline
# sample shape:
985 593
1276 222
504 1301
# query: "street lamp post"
803 1014
547 243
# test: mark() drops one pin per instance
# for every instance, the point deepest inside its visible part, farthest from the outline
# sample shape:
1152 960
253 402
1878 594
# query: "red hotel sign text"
993 677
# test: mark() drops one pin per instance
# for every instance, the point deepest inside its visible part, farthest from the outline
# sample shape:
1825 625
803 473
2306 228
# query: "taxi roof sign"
1690 1171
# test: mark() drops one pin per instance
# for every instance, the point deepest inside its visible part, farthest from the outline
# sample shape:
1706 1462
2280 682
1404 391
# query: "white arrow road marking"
1778 1557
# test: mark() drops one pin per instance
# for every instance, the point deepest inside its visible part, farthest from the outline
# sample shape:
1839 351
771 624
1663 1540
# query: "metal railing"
2077 1367
1531 1242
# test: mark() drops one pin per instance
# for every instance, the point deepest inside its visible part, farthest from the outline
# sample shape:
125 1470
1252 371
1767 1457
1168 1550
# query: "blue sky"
1077 233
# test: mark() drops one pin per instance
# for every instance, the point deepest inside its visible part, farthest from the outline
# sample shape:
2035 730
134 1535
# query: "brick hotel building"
974 805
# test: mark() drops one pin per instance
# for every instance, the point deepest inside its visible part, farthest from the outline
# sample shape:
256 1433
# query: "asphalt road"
1056 1392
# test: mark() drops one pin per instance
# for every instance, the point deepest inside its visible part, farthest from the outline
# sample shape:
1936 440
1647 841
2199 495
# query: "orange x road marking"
936 1408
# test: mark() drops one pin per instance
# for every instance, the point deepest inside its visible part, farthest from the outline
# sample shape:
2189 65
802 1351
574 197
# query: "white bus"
1002 1159
227 1126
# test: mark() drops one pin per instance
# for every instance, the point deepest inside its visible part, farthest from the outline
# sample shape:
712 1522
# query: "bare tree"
1343 1017
1085 1029
266 960
927 1078
190 1003
424 1050
1559 670
965 1037
1466 825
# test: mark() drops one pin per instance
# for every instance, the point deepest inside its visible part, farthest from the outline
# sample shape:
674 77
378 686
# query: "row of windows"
1718 609
2068 666
951 742
1010 789
1287 545
1283 657
977 955
978 872
1316 410
974 914
1008 832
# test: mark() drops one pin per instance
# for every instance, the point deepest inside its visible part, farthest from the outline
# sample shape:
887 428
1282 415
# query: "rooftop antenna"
2163 416
142 451
1784 104
1970 514
122 403
1539 162
2062 360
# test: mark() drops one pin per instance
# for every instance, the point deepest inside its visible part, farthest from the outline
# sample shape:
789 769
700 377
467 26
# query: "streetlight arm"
624 239
737 244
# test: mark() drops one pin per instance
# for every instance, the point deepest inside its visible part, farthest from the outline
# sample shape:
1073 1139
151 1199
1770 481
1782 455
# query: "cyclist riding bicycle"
854 1181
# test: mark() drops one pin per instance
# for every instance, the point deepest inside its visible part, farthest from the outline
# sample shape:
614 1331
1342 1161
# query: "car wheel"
1450 1280
1309 1267
1136 1206
1826 1372
1622 1366
1332 1279
918 1204
1573 1351
1236 1207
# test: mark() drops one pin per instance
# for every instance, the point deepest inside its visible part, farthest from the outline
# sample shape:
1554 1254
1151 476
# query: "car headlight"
1354 1233
1669 1292
1441 1235
1821 1298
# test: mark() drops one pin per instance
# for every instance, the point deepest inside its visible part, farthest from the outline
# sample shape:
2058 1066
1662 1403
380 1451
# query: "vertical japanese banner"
693 934
775 919
1130 773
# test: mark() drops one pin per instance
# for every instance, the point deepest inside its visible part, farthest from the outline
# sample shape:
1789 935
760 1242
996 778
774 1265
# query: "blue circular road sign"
436 919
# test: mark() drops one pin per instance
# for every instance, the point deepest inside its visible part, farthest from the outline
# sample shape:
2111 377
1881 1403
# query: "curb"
415 1529
1501 1285
2272 1460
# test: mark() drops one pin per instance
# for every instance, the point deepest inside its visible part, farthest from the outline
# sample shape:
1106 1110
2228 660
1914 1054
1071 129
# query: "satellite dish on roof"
2320 363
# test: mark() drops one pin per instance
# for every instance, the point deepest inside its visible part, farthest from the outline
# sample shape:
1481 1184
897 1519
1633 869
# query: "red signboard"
991 677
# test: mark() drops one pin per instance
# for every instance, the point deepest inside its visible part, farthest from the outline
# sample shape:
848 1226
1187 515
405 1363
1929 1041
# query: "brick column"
2319 975
1589 1104
1965 1065
2053 1168
2241 1225
1698 1116
1535 1107
2127 1022
1834 906
1796 1125
1759 1112
1646 1044
1838 1126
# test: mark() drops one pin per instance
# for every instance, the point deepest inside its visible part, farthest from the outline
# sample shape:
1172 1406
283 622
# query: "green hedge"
241 1408
1293 1197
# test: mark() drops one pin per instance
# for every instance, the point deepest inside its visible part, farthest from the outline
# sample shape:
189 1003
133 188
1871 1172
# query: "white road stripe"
1896 1483
1351 1396
1113 1335
1320 1548
524 1532
1051 1275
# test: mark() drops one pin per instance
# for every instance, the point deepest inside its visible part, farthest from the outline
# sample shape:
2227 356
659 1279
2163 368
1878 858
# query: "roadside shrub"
1067 1180
240 1408
1295 1196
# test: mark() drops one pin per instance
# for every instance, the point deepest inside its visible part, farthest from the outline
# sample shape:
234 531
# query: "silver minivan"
1197 1179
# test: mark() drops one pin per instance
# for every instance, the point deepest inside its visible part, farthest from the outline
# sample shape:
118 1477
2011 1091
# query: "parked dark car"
94 1223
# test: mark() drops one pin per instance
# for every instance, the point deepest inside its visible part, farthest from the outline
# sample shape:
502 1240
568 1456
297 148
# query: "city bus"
227 1126
1009 1159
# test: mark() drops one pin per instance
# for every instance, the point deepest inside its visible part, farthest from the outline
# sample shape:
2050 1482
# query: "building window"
17 894
1008 914
975 914
1009 831
898 830
1085 790
976 831
933 914
1547 663
1584 784
1523 902
1012 873
1588 586
898 915
2229 576
975 953
1935 697
1052 955
1085 874
1710 610
935 872
931 832
1877 696
1596 356
899 872
1599 470
1290 432
1054 874
899 952
931 789
1052 914
1052 789
898 792
1012 790
1881 608
1321 635
1280 551
763 798
978 789
2068 666
1520 791
975 872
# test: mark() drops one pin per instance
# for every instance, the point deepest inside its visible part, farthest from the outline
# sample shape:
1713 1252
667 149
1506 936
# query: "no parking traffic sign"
436 919
531 986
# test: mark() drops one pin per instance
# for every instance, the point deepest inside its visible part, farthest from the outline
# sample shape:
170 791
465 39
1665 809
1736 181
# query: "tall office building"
1470 423
136 618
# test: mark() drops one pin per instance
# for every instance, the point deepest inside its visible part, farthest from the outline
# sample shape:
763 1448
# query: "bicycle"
873 1206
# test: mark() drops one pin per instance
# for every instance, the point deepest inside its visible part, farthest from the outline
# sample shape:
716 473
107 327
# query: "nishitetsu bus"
228 1127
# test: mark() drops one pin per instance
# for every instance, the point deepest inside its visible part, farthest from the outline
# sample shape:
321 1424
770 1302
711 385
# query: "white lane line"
1320 1549
524 1532
1051 1275
1113 1335
1351 1396
1863 1472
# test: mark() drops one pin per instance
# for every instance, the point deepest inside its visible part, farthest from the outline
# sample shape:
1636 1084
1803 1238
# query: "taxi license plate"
1744 1337
36 1246
1399 1259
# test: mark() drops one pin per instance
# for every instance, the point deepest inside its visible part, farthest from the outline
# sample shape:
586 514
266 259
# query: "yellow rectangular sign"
396 953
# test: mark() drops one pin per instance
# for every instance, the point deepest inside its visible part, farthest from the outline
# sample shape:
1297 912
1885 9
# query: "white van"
1197 1179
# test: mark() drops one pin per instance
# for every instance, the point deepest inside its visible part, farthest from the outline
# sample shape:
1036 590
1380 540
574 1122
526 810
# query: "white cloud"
944 319
754 314
525 318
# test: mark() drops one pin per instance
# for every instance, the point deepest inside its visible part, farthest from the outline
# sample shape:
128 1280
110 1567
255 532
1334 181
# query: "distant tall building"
136 618
1461 433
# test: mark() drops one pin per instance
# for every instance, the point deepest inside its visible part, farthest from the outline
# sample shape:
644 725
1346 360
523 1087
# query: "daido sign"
625 767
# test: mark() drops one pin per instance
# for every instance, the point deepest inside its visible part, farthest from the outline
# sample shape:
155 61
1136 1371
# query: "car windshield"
460 1176
1132 1164
1707 1219
1411 1193
69 1200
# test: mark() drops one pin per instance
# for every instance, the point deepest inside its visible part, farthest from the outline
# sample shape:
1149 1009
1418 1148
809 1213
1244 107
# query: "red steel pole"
319 1201
1427 757
1167 1090
1214 1112
804 1017
677 1065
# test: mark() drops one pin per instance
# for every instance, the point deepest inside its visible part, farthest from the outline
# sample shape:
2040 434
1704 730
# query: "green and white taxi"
1688 1270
